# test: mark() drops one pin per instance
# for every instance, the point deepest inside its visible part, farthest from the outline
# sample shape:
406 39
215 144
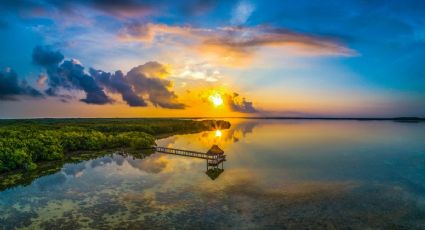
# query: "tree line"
24 143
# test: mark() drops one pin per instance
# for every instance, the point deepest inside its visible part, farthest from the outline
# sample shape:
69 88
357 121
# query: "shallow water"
279 174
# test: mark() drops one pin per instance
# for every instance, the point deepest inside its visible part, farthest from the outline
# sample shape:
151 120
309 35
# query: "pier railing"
213 161
189 153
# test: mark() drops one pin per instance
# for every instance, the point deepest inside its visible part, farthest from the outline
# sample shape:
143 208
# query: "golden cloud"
233 45
230 99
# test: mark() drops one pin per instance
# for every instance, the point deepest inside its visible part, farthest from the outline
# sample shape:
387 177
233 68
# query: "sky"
212 58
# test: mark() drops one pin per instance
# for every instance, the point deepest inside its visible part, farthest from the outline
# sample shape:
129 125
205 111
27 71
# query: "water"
279 174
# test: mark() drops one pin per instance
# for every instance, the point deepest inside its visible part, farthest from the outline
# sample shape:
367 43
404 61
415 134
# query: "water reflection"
239 129
214 171
142 160
279 174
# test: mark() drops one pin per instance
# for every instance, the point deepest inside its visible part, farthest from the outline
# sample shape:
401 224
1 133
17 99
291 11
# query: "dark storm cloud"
68 75
11 87
117 83
240 105
142 80
74 74
45 57
49 59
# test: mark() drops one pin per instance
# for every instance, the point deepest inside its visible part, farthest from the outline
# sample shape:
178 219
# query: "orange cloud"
243 40
230 100
233 45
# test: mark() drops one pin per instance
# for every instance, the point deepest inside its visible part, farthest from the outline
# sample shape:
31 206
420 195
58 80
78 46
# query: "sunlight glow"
218 133
216 99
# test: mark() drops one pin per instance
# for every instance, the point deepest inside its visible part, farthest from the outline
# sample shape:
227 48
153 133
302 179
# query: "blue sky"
313 58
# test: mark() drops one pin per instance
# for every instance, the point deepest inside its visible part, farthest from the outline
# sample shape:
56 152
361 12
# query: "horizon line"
403 118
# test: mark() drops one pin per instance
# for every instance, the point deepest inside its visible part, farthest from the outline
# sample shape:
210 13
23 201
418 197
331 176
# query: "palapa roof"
215 150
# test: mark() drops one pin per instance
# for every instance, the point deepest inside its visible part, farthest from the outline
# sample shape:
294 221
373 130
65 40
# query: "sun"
218 133
216 99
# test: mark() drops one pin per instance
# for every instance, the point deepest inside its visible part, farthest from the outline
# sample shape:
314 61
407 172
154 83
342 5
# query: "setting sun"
218 133
216 99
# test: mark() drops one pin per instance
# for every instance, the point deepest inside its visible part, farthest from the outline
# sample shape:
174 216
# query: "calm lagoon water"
279 174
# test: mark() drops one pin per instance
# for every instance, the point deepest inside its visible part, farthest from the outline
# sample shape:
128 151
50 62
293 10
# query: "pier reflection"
214 158
214 171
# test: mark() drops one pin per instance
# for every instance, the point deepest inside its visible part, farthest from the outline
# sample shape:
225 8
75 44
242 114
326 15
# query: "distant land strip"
401 119
345 118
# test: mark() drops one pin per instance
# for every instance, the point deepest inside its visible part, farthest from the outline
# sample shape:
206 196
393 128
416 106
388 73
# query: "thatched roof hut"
215 150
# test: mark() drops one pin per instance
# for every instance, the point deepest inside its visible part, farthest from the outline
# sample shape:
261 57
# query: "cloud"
144 80
242 12
123 8
68 74
45 57
148 32
116 83
197 7
198 71
41 81
240 105
232 101
244 41
155 87
141 80
234 44
141 8
11 88
153 164
135 8
119 9
73 74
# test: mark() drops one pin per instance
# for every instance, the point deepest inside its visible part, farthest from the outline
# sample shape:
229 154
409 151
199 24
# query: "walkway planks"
216 158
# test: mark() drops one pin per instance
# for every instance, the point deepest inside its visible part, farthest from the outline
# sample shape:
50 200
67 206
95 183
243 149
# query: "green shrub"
25 142
135 140
15 158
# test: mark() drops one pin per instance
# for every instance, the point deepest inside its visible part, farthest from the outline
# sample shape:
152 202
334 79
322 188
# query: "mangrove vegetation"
26 143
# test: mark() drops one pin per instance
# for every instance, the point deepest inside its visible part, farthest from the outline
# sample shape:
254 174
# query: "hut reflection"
214 171
215 164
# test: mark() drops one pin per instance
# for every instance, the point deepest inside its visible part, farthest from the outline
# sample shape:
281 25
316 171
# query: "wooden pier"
212 159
